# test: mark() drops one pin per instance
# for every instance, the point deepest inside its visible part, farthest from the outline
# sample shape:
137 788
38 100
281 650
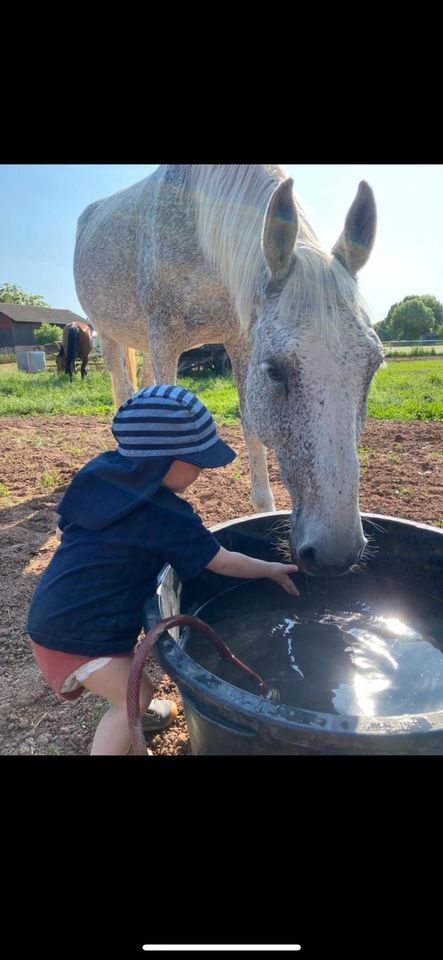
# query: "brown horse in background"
77 342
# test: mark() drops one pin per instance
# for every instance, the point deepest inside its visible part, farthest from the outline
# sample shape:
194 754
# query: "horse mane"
320 290
229 203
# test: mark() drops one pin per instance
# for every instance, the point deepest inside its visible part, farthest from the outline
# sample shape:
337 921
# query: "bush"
48 333
7 357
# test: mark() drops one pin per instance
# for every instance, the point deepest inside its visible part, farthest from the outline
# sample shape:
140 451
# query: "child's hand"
279 572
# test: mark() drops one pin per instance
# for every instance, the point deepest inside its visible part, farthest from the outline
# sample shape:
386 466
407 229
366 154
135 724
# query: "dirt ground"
401 475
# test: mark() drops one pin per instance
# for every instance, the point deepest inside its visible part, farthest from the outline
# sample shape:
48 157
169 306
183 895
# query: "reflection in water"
375 656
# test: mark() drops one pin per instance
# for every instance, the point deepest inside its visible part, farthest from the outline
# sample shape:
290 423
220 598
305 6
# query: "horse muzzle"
315 563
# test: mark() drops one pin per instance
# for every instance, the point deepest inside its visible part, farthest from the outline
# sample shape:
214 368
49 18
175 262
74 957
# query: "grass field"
403 390
408 390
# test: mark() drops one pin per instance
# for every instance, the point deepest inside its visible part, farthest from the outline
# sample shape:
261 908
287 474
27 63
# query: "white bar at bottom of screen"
222 946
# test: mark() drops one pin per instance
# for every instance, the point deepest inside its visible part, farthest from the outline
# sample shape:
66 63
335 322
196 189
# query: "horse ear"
280 230
355 243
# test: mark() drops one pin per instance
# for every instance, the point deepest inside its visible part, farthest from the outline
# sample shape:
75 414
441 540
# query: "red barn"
19 320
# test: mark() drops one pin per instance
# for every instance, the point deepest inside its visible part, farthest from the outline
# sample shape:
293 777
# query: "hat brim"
219 455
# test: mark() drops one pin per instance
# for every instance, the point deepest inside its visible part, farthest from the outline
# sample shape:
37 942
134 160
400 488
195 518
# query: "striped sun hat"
167 421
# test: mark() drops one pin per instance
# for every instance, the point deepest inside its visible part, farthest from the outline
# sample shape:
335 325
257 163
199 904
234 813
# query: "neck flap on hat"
110 487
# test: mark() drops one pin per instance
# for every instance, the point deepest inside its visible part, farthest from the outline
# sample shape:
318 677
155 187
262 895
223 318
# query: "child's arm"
230 564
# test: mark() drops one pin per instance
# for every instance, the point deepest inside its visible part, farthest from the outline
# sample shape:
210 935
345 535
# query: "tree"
411 319
388 317
435 306
11 293
48 333
388 330
384 329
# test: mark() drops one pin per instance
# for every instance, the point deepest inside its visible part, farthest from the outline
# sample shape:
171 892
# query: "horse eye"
276 374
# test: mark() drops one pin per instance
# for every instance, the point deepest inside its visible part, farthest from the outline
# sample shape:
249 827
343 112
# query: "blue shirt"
90 598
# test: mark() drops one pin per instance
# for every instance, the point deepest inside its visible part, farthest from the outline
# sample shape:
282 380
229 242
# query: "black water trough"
405 576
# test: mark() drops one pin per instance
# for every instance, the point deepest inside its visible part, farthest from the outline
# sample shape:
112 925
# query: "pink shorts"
64 672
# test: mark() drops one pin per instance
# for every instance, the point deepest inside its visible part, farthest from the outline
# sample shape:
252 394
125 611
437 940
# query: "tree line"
415 316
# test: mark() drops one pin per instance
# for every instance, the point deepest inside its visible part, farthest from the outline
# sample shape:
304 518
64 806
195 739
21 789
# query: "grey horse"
224 253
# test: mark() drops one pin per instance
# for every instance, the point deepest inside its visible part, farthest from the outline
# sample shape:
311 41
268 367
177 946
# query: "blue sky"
40 204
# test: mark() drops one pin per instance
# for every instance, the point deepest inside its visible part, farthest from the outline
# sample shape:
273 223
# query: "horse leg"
262 498
83 370
147 378
115 360
164 358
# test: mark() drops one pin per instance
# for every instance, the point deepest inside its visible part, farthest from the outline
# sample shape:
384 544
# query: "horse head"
60 359
313 356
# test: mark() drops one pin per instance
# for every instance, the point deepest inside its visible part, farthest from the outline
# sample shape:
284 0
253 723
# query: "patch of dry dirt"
401 475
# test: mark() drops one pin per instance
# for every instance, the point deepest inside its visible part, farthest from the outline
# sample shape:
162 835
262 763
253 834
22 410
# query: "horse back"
137 255
106 256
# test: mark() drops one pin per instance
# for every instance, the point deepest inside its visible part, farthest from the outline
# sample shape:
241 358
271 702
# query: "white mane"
229 203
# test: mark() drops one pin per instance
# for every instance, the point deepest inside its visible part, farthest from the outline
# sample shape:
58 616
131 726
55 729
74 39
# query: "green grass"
408 390
46 393
403 390
50 480
50 393
218 393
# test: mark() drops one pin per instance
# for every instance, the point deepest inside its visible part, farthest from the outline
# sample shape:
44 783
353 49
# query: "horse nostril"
312 562
308 558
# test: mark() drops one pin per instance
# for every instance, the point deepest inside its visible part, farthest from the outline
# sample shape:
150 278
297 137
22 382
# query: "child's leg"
112 736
